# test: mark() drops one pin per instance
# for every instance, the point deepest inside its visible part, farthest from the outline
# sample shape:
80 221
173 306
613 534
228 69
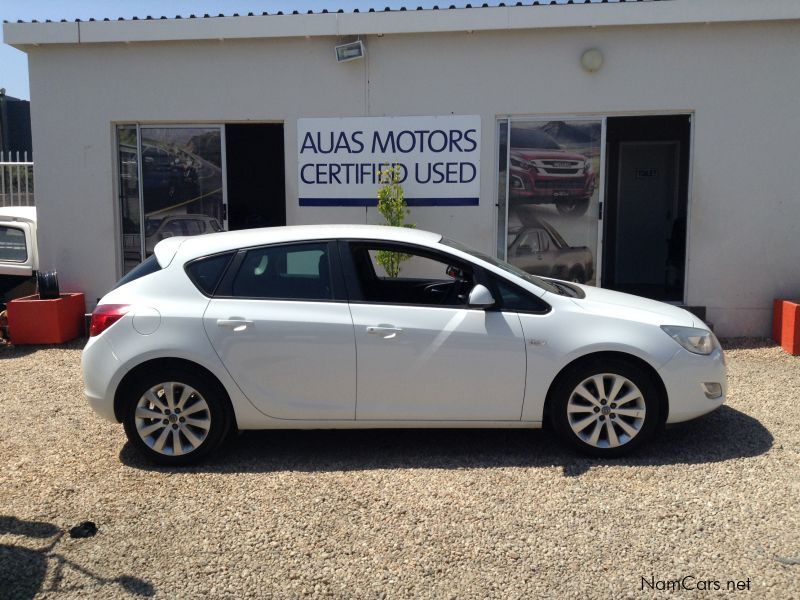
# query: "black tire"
649 399
573 207
47 285
217 415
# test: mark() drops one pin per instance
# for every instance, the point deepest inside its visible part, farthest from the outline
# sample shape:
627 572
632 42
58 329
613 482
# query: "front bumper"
684 375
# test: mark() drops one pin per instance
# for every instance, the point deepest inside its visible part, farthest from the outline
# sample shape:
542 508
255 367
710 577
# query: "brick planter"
786 325
35 321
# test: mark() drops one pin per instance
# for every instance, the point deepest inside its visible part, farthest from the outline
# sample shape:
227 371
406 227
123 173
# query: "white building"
671 147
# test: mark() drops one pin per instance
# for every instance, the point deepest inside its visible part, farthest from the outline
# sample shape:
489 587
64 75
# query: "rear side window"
289 272
12 244
146 268
205 273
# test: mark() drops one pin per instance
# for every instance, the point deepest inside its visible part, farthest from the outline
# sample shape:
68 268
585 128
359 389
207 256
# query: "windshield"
507 267
532 138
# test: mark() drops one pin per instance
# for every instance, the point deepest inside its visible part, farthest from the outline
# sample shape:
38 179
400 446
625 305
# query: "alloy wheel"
606 410
172 418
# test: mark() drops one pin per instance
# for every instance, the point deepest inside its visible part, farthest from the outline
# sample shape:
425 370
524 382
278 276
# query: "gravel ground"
360 514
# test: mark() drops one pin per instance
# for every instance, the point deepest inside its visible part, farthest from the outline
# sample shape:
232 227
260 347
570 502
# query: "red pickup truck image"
544 173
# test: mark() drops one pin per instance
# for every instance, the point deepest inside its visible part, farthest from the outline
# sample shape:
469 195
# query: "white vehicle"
19 258
300 328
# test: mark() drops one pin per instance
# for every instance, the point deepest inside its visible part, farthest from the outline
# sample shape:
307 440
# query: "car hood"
534 154
634 308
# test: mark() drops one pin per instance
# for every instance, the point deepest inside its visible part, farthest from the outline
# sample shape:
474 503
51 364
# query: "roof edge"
337 24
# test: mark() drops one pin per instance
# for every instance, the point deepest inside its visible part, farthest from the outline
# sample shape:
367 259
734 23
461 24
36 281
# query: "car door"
422 353
280 323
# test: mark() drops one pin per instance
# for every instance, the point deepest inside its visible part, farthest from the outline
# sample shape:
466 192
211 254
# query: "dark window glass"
513 297
291 272
12 245
400 275
146 268
130 210
532 138
193 227
205 273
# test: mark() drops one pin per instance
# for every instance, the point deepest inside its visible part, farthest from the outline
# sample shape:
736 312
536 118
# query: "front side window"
396 274
289 272
12 244
529 242
514 298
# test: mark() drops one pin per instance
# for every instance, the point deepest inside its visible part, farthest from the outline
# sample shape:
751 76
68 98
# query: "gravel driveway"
433 514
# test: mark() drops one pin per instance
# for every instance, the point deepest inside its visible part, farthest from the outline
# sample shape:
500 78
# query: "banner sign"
339 159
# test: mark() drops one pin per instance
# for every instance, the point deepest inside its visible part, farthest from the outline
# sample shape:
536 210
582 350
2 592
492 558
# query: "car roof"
201 245
20 213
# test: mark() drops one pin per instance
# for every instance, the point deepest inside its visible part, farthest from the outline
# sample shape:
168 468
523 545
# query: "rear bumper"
684 375
99 365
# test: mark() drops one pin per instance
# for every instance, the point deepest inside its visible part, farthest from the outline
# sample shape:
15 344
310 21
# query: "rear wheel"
573 207
176 416
605 408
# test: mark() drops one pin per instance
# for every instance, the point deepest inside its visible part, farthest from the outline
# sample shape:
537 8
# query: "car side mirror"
480 297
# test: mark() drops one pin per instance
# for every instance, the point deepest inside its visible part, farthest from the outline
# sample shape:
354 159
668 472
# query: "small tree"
392 206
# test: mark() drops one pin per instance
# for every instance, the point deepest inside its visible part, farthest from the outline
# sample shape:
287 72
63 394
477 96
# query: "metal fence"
16 179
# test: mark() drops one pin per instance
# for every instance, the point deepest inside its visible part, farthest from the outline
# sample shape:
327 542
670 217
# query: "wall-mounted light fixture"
350 51
592 60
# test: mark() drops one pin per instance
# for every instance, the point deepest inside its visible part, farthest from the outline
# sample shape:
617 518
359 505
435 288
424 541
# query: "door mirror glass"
480 297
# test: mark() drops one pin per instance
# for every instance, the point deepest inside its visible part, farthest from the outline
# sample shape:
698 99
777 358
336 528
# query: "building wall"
739 81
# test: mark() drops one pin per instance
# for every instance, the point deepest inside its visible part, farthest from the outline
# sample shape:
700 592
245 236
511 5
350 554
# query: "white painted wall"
740 81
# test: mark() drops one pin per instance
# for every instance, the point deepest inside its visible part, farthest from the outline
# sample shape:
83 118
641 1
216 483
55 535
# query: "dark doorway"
255 175
644 247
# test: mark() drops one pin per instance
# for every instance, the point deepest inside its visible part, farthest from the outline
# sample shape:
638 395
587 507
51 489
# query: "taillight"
105 315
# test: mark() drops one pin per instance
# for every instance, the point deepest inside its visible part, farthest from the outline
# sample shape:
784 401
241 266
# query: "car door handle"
234 324
385 331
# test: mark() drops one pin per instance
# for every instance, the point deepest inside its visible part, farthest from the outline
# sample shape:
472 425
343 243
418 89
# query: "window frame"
224 289
26 243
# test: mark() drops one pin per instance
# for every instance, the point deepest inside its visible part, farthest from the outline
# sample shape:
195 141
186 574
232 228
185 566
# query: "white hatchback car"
302 328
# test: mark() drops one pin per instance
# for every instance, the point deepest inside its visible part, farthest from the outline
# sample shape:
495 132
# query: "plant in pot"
393 208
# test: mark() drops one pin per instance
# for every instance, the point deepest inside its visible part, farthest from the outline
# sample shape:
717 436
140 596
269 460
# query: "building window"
170 184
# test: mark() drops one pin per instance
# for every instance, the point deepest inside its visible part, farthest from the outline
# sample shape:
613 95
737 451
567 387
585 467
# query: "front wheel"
175 416
573 207
605 408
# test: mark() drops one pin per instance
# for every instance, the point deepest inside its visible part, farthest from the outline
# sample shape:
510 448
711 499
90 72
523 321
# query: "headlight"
587 166
698 341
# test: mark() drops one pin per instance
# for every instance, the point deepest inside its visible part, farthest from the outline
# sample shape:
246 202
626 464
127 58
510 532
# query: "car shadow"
722 435
23 570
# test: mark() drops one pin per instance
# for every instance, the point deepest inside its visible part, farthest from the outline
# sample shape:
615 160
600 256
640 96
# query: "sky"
14 64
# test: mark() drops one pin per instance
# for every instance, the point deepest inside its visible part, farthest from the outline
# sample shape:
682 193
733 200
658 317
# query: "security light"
351 51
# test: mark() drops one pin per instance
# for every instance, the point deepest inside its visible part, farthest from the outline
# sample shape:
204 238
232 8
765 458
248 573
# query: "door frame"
690 150
139 125
601 183
688 112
